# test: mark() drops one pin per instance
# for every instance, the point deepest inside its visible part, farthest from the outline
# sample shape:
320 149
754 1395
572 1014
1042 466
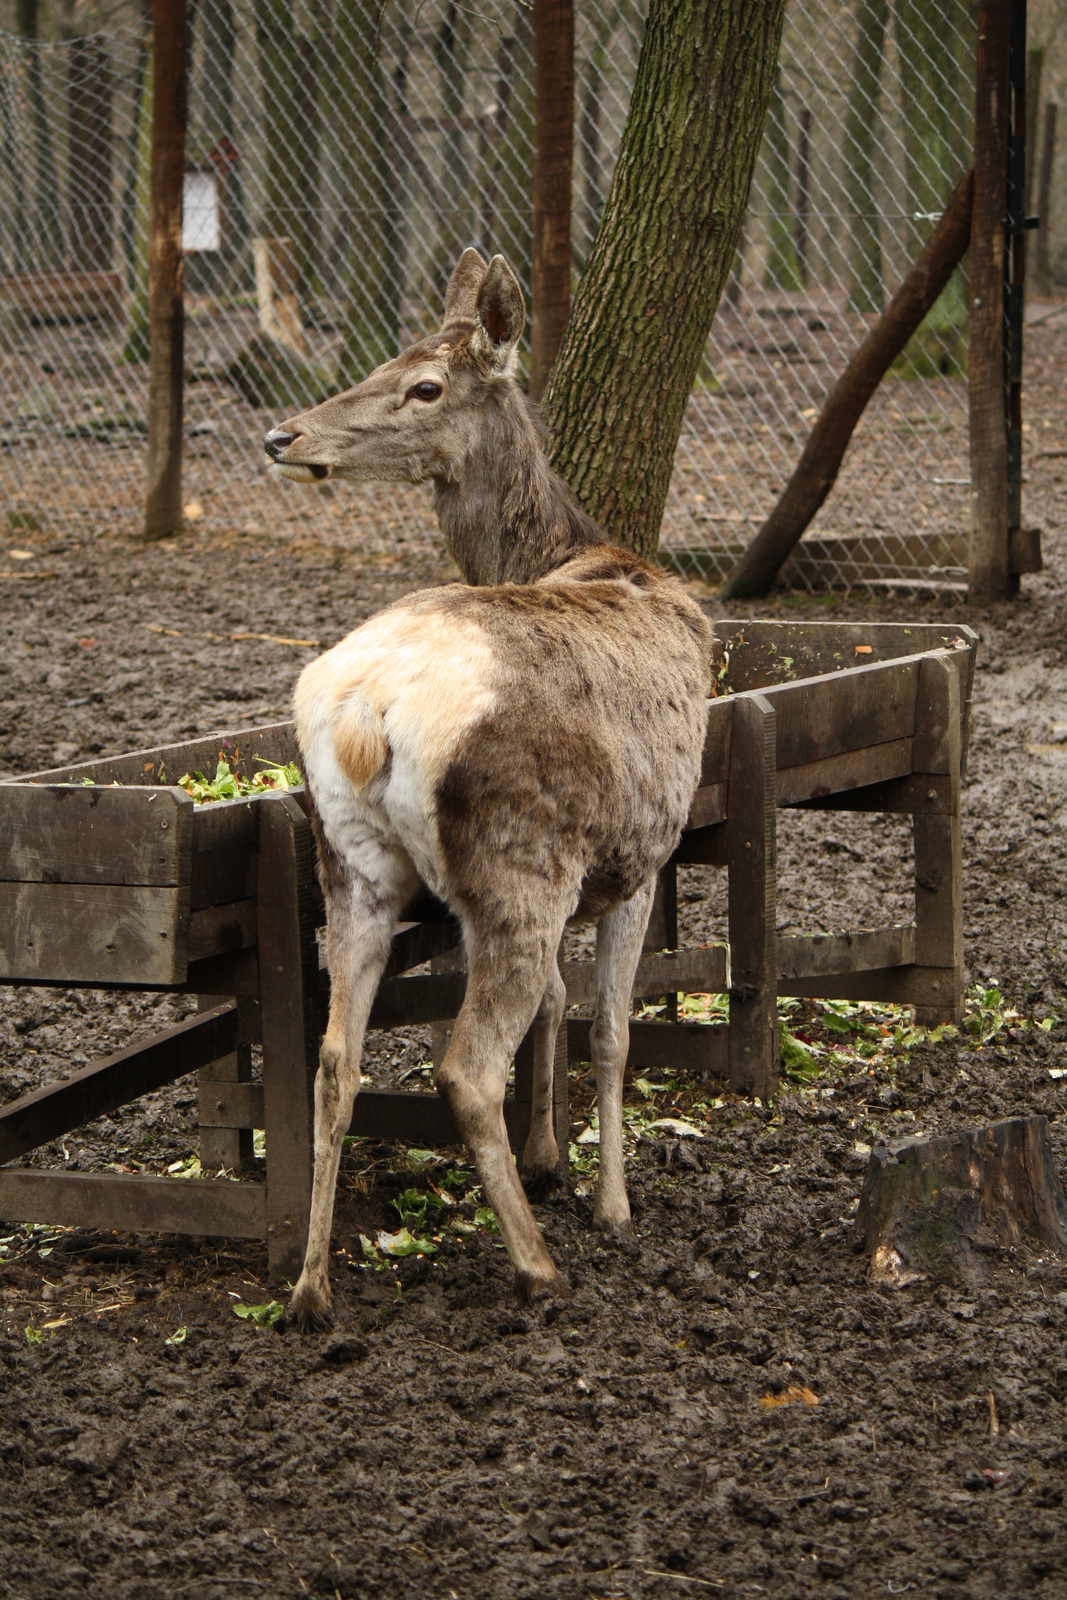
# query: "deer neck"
505 515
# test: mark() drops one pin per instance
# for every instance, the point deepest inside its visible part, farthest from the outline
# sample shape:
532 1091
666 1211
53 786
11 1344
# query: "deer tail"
359 741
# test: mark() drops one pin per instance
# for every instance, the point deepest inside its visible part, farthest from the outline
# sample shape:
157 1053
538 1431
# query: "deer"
525 743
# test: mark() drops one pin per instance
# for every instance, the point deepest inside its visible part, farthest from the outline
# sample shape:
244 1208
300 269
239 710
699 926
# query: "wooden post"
988 577
288 995
225 1149
551 268
163 501
1014 275
753 1038
938 851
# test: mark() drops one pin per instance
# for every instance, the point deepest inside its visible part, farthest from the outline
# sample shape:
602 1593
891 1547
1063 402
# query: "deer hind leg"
620 935
360 919
507 975
540 1157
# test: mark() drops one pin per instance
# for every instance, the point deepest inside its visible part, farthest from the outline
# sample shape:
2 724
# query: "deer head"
417 416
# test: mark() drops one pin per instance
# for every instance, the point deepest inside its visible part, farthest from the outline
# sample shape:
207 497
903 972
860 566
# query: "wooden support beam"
553 159
753 1038
163 500
988 575
45 1114
205 1208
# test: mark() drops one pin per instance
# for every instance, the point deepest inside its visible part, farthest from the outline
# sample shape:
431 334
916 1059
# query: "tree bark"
988 576
936 1208
618 390
553 158
163 501
818 467
866 290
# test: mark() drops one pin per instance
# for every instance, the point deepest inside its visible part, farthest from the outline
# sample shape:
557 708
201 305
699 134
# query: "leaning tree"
617 391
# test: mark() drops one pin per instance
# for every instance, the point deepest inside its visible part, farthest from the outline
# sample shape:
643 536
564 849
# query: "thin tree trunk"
781 271
44 232
551 267
988 577
89 169
818 467
618 390
372 313
138 198
452 54
801 221
866 290
1042 269
163 501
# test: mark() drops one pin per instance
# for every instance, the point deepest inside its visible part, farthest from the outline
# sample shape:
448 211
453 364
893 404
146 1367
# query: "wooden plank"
816 955
704 846
226 1148
820 717
699 1049
204 1207
937 716
236 974
59 834
288 968
225 844
230 1104
764 653
416 942
35 1119
274 742
92 933
424 1119
715 761
906 985
220 930
708 807
853 769
918 794
403 1002
753 1038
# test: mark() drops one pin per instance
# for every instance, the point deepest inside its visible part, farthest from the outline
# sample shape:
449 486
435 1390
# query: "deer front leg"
618 950
540 1157
357 944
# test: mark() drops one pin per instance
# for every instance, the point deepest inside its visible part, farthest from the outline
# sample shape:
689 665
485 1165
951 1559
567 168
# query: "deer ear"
500 313
461 296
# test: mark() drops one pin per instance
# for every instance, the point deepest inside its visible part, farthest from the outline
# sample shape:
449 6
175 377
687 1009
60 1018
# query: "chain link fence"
339 156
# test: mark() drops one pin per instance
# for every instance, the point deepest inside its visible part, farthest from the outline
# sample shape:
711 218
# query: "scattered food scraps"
796 1391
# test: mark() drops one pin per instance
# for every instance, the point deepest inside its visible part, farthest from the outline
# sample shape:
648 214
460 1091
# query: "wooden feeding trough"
136 888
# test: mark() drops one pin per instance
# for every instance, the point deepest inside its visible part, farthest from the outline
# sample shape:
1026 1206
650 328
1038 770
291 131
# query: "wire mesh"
338 159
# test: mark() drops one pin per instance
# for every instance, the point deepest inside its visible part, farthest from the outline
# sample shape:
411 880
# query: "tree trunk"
618 390
987 562
372 313
163 498
781 271
553 159
452 48
802 219
866 291
136 202
936 1208
43 242
818 467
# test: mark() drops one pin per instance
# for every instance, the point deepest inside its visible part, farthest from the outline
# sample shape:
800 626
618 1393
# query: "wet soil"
443 1440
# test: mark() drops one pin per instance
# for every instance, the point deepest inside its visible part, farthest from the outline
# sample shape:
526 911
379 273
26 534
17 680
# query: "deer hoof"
540 1180
534 1286
309 1310
614 1227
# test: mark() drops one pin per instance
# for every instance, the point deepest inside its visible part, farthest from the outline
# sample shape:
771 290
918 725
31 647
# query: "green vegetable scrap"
265 1316
230 785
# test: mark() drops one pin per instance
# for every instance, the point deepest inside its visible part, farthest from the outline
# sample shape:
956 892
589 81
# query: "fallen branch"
818 467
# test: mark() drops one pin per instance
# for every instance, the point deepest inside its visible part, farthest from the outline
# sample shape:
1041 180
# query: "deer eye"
425 391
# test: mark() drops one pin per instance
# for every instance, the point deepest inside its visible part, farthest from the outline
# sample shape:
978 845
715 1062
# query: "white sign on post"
200 211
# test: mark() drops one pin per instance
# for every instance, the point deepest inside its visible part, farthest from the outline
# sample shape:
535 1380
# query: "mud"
443 1441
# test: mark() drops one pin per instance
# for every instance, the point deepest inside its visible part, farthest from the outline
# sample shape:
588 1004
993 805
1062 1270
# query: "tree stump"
936 1208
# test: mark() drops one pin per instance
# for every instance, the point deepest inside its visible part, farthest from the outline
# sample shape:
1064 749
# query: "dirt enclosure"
723 1405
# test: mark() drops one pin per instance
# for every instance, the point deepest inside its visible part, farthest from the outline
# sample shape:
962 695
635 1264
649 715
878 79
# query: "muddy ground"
443 1441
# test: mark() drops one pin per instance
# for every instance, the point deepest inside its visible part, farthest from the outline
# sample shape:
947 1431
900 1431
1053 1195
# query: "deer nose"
277 443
